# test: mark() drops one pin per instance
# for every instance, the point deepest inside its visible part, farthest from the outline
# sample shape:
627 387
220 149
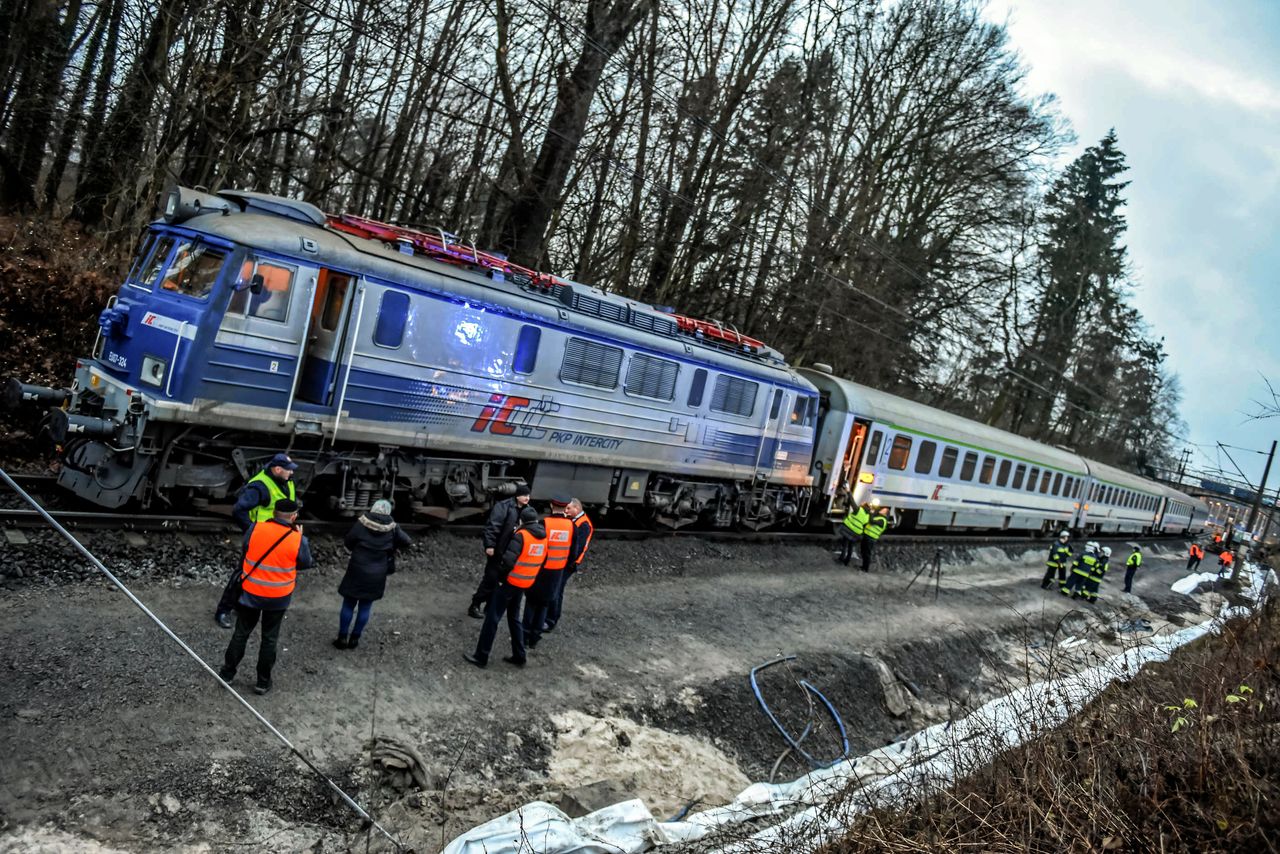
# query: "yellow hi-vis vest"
876 526
1135 560
856 520
263 512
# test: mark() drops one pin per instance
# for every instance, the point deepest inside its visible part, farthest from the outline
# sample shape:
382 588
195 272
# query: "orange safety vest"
271 575
1196 551
559 536
533 551
1217 538
1227 558
578 521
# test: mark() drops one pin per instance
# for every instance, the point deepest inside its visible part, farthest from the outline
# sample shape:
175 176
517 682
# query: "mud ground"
113 740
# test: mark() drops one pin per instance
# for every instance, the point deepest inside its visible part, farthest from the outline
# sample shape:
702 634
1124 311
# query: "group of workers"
862 526
528 558
1080 576
1226 558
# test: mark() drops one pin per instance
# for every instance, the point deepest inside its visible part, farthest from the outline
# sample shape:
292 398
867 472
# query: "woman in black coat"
373 541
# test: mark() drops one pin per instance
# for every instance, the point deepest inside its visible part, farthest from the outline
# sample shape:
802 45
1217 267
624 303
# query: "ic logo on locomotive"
508 415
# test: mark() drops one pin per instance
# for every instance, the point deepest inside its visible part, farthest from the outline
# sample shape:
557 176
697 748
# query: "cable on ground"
347 799
794 743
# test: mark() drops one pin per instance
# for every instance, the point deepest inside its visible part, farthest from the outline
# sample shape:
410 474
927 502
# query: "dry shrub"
1184 757
53 284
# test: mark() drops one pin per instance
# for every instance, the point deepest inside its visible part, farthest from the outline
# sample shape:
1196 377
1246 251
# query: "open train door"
326 332
842 488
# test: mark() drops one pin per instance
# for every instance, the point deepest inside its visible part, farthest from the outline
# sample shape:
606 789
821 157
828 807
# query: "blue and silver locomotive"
396 362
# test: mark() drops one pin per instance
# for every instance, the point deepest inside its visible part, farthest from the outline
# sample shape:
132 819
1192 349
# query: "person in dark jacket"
372 541
503 519
257 503
521 563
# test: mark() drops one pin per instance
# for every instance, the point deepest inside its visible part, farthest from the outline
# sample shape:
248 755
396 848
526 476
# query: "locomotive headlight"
153 370
867 477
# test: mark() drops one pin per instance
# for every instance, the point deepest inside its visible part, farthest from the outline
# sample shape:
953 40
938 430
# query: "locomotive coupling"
14 394
62 424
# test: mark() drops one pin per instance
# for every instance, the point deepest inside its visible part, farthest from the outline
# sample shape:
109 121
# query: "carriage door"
851 465
327 330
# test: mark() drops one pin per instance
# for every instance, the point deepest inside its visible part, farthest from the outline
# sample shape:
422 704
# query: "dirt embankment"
642 691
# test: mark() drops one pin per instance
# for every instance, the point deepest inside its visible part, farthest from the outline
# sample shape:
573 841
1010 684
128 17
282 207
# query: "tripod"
935 572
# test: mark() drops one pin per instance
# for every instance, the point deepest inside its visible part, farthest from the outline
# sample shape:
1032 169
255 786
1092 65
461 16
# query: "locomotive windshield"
194 269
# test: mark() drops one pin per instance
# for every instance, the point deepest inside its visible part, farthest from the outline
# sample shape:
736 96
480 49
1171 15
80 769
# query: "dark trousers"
847 542
537 603
493 575
505 600
1128 578
1048 575
1075 585
230 594
865 545
1192 563
554 609
246 620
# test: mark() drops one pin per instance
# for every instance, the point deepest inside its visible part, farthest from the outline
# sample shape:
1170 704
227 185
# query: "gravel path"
110 735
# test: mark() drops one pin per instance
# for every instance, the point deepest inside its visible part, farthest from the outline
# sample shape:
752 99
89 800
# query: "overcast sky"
1193 91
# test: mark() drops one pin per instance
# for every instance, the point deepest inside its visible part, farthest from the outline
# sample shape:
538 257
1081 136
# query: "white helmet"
1106 551
1064 536
1092 546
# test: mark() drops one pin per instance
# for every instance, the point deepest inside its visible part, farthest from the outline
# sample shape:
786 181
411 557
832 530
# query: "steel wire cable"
101 567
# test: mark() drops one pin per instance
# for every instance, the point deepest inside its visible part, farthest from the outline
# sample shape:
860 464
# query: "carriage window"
968 466
988 469
1003 478
734 396
948 465
1032 477
697 387
873 448
1044 481
335 297
650 377
1019 473
393 314
900 452
194 269
1057 484
924 458
1067 486
526 349
589 363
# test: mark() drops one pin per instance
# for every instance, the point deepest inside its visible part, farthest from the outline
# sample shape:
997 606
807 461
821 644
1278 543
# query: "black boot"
353 642
341 642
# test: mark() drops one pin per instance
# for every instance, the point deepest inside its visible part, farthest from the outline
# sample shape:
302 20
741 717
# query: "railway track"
17 519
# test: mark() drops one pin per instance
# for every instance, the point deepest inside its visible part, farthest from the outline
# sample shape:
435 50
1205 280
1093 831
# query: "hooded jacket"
373 541
501 524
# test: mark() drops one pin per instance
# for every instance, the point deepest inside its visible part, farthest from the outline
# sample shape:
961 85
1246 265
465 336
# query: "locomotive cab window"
948 465
1003 478
802 412
272 303
776 408
651 377
154 265
899 453
194 269
988 469
588 363
969 465
734 396
924 457
873 448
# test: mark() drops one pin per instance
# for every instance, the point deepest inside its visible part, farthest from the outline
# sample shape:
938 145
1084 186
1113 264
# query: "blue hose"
793 742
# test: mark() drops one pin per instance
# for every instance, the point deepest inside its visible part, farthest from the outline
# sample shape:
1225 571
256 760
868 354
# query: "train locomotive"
402 363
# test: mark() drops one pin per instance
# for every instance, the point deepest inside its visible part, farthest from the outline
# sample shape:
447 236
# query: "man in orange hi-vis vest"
1195 556
522 561
547 587
274 550
582 532
1224 562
